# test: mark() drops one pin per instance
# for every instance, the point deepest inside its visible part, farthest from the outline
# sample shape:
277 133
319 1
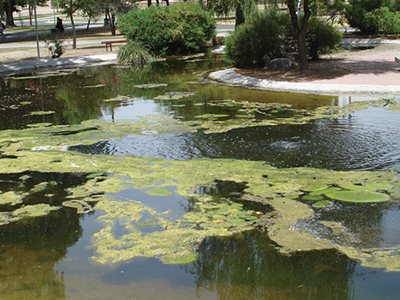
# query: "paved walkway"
24 66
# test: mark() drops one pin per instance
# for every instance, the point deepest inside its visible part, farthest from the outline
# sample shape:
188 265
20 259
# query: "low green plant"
177 29
134 53
55 45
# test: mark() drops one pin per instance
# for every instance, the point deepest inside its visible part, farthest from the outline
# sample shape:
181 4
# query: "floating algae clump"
10 198
26 212
358 196
172 241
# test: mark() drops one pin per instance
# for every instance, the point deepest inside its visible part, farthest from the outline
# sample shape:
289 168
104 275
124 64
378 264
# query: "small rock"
283 64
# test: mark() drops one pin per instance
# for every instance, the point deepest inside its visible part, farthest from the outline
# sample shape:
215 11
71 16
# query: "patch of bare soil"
316 71
331 66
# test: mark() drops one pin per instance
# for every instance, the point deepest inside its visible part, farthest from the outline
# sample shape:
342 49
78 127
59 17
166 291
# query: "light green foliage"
178 29
134 53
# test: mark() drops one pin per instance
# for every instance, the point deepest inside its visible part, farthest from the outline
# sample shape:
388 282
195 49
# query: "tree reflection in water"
249 267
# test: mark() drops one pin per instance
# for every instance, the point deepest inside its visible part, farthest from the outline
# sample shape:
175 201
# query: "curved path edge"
229 76
24 66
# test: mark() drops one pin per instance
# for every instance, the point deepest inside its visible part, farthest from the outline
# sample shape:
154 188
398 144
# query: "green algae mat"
133 228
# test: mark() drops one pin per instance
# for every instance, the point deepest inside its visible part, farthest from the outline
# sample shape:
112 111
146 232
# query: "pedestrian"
59 25
2 27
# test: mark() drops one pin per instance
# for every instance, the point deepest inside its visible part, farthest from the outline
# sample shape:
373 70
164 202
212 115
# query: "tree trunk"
73 32
9 9
30 12
239 16
300 33
167 1
111 18
148 3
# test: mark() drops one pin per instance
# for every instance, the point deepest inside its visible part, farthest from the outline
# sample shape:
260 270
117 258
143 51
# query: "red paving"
376 69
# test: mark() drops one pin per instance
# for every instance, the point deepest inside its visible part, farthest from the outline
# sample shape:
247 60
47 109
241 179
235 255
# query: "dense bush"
258 40
268 34
177 29
388 21
321 38
357 17
374 16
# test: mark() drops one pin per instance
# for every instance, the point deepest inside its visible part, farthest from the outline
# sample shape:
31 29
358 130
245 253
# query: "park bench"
110 42
397 59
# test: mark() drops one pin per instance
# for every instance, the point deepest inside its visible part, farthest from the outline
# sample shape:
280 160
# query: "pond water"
51 256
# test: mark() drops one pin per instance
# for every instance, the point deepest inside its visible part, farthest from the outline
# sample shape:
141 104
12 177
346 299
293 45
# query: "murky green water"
49 257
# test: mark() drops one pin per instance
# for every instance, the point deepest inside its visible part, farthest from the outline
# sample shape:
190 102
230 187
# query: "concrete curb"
229 76
25 66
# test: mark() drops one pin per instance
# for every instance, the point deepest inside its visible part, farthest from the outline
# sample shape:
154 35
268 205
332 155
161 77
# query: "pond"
124 182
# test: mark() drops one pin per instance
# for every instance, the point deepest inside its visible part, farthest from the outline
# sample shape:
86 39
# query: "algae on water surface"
148 232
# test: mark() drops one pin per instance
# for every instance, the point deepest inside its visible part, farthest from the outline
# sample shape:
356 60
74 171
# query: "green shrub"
134 53
269 34
321 38
177 29
388 21
358 17
374 16
259 40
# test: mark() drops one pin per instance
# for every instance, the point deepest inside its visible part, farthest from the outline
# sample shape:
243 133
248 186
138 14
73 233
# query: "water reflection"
79 95
248 267
32 247
365 140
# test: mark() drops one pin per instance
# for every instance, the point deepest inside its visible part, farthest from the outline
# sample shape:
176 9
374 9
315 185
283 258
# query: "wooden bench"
110 42
397 59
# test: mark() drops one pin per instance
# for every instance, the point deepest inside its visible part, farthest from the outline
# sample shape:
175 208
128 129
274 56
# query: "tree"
241 7
300 28
8 7
109 8
69 8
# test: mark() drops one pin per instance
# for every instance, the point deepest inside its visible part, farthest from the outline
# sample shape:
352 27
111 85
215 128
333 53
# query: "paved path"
20 67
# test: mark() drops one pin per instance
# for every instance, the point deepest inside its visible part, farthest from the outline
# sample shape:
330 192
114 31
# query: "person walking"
2 27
